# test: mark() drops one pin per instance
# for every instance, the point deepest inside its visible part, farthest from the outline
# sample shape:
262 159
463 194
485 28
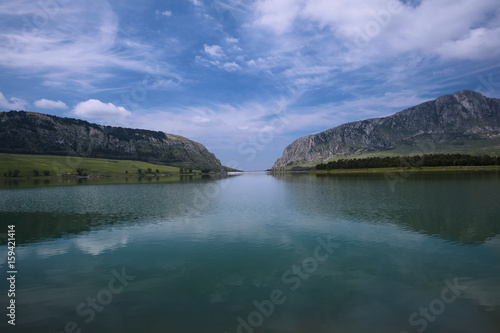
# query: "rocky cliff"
35 133
465 120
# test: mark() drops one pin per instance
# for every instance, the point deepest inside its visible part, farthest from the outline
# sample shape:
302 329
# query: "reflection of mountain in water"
63 211
459 207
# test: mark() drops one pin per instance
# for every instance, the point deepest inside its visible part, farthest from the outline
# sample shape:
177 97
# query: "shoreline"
108 176
400 170
51 181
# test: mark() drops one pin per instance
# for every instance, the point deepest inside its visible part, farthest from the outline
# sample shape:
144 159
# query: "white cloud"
14 103
167 13
95 109
460 29
231 66
224 120
196 2
480 43
231 40
78 42
432 25
322 43
48 104
214 50
200 120
277 15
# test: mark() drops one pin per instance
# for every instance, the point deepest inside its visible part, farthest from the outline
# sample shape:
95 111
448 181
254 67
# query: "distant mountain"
465 121
36 133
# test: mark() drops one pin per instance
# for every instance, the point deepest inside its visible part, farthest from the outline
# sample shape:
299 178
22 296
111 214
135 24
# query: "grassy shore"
421 169
64 165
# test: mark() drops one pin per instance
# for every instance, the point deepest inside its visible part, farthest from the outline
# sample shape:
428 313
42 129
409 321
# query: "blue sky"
244 78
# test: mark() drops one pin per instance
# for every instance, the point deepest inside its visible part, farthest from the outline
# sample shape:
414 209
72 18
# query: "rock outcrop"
465 118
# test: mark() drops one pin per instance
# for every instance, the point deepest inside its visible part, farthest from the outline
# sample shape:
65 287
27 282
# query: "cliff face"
35 133
449 121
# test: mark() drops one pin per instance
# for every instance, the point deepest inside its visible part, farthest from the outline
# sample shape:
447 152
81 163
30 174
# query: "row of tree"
36 173
426 160
185 170
148 171
15 173
190 170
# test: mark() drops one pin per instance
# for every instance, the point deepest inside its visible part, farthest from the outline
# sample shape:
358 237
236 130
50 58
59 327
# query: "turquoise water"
257 253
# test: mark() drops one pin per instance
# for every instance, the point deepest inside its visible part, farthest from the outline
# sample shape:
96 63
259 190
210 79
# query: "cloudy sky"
245 78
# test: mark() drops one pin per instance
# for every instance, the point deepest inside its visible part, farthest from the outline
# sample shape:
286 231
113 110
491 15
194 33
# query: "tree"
139 171
36 173
81 172
205 170
46 173
150 171
157 171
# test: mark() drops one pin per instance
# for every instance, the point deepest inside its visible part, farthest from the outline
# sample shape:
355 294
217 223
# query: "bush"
81 172
46 173
36 173
205 170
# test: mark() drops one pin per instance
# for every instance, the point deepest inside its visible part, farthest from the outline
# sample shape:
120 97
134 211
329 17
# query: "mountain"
36 133
465 121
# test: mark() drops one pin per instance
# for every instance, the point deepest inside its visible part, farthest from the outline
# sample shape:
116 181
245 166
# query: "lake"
256 253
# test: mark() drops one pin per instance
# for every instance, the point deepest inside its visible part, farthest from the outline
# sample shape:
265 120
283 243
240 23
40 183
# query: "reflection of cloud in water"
485 293
99 242
23 252
217 298
235 280
49 250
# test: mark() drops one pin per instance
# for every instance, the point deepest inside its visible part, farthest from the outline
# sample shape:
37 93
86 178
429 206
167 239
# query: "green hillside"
67 164
37 133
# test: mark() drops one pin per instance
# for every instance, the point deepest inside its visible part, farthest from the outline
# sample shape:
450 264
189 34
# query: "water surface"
258 253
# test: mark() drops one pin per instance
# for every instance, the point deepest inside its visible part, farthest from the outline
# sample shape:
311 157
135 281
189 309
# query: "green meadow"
63 165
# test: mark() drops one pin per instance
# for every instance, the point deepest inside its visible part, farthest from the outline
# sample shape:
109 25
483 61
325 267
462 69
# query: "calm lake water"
257 253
